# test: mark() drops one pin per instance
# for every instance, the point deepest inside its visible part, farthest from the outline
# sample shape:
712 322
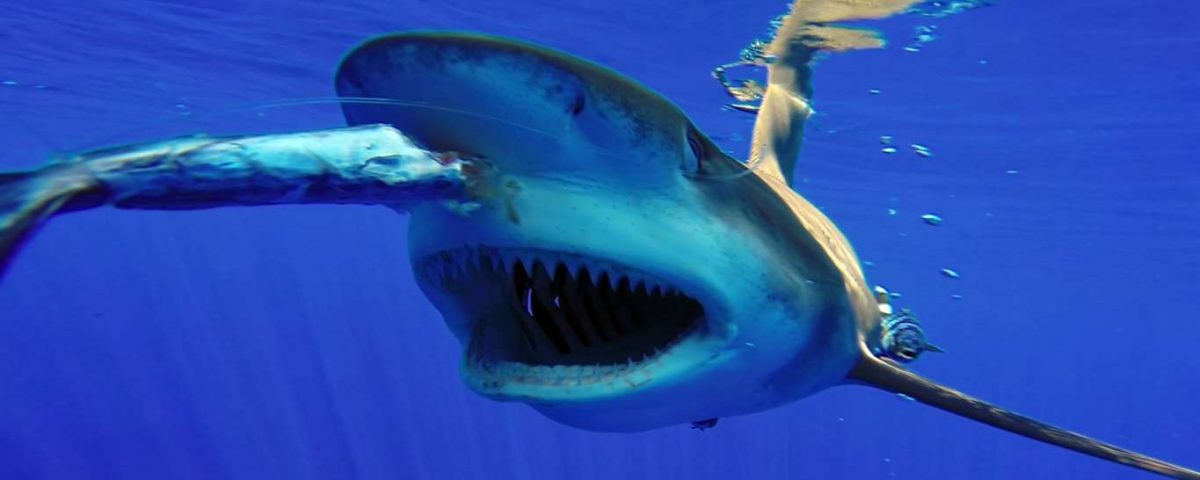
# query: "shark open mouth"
551 318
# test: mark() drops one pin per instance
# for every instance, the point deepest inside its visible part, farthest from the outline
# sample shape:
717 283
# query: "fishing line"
190 117
184 117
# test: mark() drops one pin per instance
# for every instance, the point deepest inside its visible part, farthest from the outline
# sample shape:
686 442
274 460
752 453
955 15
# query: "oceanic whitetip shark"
618 271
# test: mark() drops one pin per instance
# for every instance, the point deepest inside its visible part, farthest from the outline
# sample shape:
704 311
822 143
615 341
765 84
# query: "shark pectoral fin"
27 199
886 376
365 165
785 105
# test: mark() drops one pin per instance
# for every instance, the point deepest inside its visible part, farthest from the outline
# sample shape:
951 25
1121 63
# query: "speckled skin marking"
575 85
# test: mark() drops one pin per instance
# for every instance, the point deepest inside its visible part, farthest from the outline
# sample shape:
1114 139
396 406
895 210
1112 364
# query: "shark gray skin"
613 208
635 276
622 273
630 232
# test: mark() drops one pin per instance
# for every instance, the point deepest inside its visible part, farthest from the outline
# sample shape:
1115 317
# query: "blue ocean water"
291 342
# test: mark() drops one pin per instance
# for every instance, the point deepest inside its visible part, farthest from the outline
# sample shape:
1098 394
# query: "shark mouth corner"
553 320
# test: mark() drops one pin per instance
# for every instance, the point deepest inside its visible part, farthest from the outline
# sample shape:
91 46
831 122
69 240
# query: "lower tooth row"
563 373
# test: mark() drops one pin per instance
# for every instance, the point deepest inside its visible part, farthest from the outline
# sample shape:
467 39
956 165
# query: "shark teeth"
457 264
545 316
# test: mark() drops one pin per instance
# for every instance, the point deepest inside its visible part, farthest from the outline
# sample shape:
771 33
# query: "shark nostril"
578 105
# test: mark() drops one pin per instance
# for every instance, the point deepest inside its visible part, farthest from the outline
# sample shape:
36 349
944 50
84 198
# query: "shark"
615 270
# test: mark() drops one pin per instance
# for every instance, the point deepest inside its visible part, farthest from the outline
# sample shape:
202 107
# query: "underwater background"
291 342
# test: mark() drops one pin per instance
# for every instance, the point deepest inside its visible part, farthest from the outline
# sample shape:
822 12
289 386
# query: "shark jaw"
549 327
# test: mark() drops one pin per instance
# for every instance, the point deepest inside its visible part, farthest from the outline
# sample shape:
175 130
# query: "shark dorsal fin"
785 104
886 376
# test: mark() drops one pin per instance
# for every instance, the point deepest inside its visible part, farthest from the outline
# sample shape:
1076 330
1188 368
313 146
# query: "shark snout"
527 108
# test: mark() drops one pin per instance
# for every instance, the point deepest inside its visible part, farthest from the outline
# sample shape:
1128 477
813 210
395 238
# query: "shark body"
623 273
620 196
637 276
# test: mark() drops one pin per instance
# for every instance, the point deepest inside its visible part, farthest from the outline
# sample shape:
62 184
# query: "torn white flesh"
554 319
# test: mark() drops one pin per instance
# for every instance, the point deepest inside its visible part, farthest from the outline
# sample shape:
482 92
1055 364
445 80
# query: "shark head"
629 275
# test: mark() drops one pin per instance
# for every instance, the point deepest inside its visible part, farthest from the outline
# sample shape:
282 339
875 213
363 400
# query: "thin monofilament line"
181 118
192 116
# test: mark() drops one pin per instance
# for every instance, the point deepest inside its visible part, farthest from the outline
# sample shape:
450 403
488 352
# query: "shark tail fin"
28 199
886 376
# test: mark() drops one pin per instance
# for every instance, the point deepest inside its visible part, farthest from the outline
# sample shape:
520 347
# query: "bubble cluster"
946 8
923 34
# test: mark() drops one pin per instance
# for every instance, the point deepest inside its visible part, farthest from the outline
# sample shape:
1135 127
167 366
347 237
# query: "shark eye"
697 148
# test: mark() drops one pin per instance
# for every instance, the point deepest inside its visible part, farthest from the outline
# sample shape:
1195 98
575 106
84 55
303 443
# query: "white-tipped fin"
886 376
779 127
28 199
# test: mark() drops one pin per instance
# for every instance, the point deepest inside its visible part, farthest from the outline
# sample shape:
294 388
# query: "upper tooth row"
599 274
472 260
